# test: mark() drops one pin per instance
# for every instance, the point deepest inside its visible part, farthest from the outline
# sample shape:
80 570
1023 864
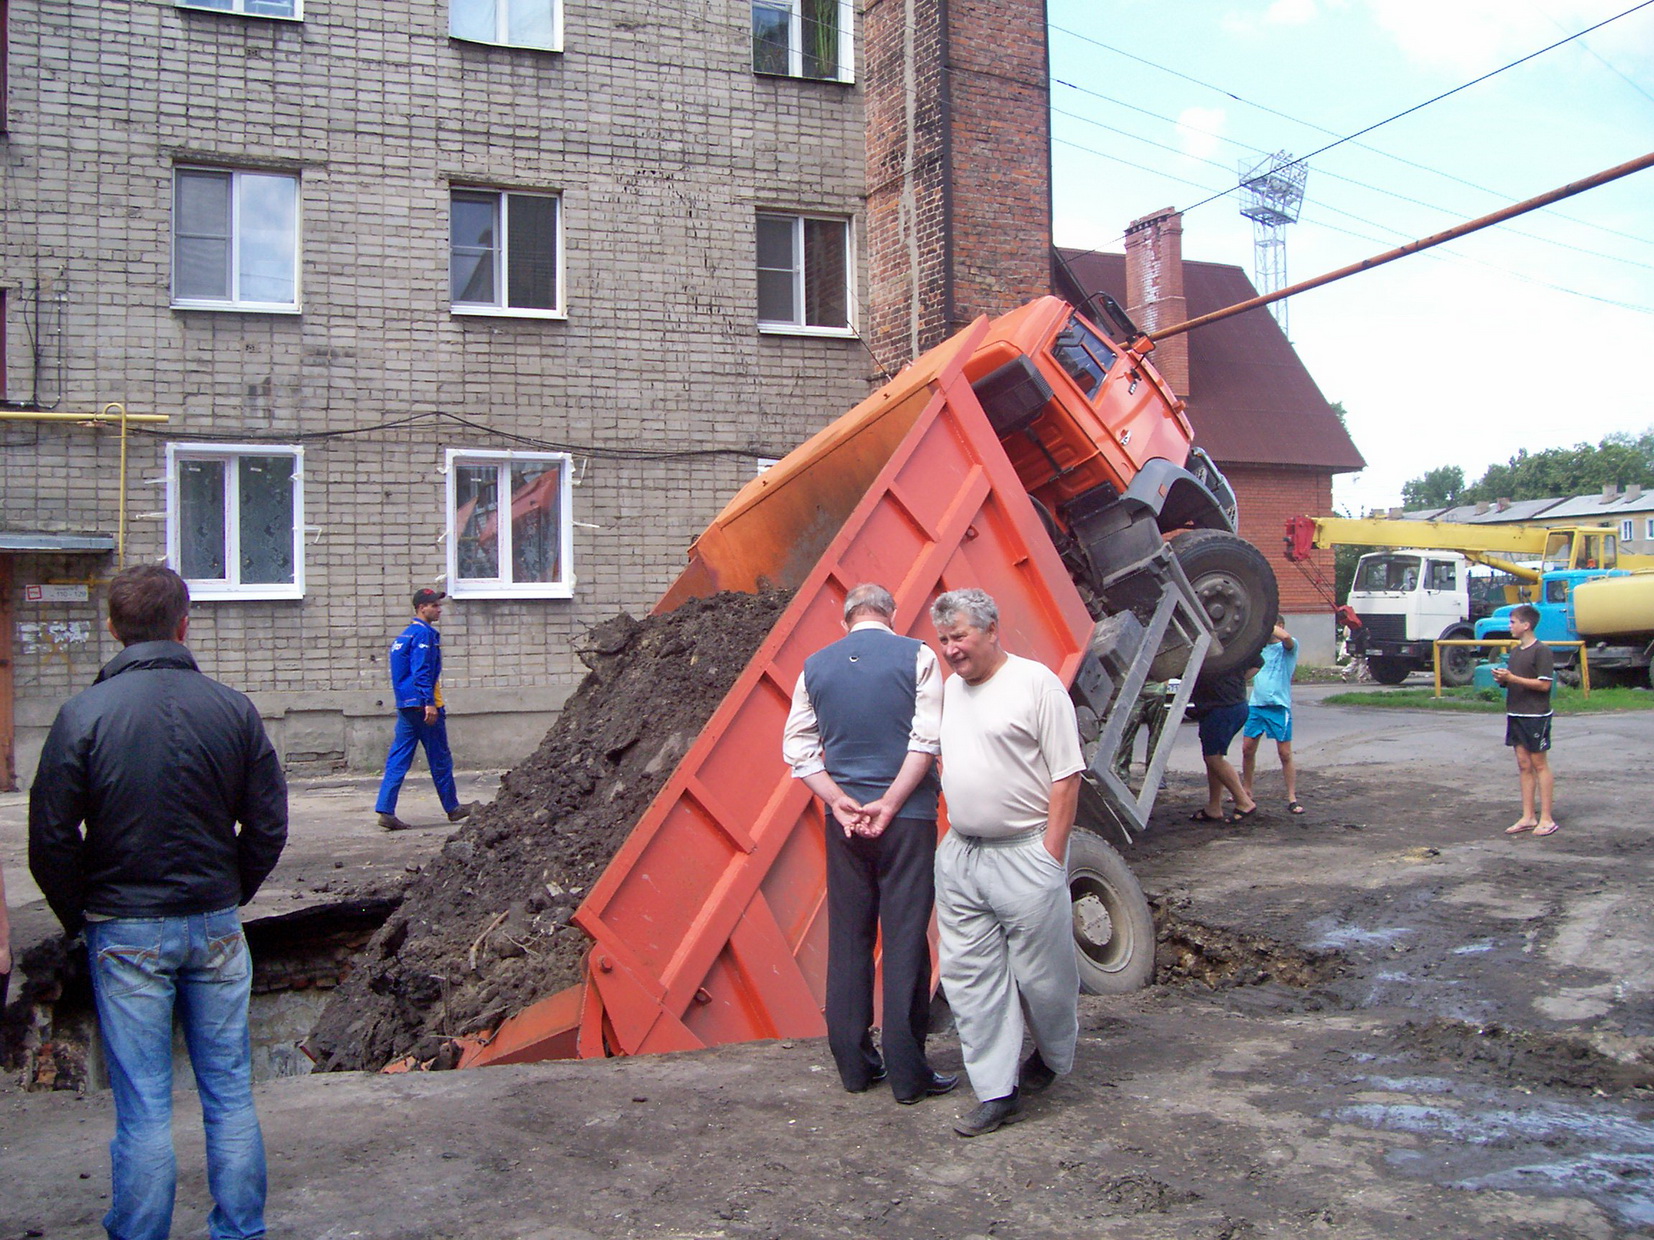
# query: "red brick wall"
958 166
1001 155
1154 289
1266 497
902 83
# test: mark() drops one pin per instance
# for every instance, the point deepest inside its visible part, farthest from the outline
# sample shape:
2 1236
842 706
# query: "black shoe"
940 1083
874 1076
392 823
1034 1077
461 812
989 1115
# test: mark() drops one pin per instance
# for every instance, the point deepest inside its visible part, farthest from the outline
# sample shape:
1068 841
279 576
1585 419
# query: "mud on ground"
484 930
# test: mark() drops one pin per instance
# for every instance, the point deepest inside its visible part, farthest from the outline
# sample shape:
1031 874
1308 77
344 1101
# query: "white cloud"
1290 13
1200 129
1473 36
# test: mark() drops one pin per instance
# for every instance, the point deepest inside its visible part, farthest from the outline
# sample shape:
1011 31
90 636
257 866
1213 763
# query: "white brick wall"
662 143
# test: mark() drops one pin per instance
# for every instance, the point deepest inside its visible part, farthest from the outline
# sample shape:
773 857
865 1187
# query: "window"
803 273
512 23
505 253
1387 572
235 513
1628 530
803 38
235 240
250 8
1082 353
1442 576
1648 529
527 556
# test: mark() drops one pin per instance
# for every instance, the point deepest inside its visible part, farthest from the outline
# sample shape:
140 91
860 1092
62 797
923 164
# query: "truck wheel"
1389 671
1113 926
1459 662
1236 586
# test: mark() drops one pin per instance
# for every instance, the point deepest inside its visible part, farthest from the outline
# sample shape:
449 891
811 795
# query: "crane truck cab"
1407 600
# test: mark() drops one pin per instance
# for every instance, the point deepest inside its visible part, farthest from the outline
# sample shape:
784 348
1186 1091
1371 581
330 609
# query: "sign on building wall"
56 594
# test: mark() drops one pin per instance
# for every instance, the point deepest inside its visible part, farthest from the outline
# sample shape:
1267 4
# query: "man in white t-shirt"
1011 766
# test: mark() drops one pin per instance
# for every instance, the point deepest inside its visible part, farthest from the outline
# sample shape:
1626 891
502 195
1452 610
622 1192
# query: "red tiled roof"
1251 400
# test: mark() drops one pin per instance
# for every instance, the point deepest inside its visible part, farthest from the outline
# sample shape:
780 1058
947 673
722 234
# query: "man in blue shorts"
1527 677
1218 703
1269 713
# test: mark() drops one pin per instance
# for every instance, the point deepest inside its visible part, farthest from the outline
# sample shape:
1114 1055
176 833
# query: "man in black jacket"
161 763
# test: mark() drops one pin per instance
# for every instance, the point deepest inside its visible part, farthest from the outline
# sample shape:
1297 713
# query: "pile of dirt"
484 931
1566 1060
1187 950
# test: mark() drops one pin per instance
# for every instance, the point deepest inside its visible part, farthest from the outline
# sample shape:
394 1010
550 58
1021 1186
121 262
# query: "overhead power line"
1132 56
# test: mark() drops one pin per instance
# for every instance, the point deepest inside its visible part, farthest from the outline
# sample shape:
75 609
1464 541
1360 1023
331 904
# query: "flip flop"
1517 828
1292 807
1550 828
1239 816
1200 815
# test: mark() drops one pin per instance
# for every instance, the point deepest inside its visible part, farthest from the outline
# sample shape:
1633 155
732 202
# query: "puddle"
1485 1138
1329 935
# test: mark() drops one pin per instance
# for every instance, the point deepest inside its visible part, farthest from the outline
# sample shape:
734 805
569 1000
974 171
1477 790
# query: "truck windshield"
1388 572
1082 353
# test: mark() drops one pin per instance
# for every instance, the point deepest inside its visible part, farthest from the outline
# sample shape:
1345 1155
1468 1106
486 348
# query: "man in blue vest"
862 735
416 680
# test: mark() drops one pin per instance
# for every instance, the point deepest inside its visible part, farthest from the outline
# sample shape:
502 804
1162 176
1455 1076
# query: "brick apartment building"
389 277
1253 405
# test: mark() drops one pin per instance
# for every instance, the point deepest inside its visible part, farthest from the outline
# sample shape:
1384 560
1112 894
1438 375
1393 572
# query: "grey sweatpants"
1007 946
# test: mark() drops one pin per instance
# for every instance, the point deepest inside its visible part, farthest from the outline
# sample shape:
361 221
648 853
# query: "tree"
1442 487
1619 458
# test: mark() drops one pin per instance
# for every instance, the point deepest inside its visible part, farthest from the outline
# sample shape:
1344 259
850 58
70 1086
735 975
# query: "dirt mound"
484 930
1560 1060
1187 950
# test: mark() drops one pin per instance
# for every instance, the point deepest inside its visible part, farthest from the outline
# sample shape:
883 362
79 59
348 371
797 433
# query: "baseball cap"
422 597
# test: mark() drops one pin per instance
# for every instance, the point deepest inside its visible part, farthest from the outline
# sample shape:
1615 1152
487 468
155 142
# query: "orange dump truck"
1029 456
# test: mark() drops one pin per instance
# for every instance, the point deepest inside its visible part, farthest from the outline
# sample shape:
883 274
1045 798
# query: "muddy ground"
1380 1019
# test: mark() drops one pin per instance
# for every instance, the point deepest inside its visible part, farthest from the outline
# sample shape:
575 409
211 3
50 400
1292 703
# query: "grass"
1492 701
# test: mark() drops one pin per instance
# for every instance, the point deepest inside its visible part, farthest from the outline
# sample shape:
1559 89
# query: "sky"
1535 334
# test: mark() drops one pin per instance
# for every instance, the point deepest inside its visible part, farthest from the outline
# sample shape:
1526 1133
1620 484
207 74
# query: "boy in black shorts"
1527 680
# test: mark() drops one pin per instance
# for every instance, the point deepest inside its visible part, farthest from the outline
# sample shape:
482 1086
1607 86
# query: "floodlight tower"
1271 194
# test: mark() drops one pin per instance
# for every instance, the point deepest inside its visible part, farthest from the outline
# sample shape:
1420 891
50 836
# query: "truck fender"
1175 497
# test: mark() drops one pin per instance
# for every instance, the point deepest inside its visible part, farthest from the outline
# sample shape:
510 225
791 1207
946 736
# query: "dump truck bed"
709 925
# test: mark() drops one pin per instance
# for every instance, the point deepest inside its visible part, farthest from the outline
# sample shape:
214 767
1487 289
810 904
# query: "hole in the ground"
1187 950
50 1031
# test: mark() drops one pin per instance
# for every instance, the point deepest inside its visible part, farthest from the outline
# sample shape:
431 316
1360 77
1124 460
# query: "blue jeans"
411 732
143 970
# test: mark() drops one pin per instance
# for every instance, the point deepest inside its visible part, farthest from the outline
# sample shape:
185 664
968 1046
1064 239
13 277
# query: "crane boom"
1557 546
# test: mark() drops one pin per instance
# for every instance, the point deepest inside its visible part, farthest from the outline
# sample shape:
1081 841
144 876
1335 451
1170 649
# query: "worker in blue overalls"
416 681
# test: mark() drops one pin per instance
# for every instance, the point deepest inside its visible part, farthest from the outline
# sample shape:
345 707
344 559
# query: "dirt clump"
1187 950
1557 1060
484 930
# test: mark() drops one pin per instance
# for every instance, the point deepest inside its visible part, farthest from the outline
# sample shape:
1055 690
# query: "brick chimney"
1154 289
958 166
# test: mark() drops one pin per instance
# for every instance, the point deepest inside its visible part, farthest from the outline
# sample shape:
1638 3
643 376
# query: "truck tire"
1237 589
1387 671
1459 662
1113 925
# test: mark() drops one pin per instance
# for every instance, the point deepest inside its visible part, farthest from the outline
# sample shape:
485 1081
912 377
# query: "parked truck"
1422 588
1032 456
1612 612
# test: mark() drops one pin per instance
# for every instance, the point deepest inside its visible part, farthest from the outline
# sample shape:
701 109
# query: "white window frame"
1648 529
778 327
502 28
230 586
502 266
473 587
795 40
239 9
1628 530
234 302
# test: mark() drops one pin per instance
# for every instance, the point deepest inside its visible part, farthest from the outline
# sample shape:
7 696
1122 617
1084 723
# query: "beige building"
501 296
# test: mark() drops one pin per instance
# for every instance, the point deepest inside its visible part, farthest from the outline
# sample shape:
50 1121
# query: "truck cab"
1556 608
1406 599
